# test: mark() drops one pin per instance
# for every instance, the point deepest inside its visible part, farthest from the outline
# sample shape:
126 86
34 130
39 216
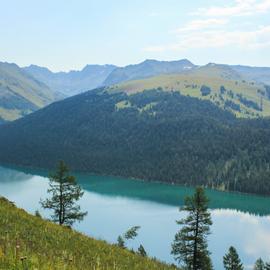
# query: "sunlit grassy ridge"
213 76
28 242
20 93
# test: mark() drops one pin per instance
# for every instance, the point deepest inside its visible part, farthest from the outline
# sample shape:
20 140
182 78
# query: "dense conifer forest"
152 135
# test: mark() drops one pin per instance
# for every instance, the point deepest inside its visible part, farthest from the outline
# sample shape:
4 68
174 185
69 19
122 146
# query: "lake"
116 204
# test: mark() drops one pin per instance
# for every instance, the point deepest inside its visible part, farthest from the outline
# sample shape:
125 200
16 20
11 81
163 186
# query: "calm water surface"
115 204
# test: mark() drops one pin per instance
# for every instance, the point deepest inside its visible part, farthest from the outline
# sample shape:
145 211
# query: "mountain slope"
153 135
258 74
73 82
49 246
146 69
20 93
228 88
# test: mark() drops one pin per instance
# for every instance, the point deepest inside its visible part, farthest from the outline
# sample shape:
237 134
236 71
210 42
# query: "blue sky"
65 35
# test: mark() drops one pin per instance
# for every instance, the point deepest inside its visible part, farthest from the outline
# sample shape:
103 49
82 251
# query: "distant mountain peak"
146 69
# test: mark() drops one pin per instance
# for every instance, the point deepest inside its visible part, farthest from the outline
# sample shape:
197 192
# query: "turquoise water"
115 204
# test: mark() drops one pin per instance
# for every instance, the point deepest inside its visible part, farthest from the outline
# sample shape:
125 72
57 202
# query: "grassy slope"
189 83
20 93
49 246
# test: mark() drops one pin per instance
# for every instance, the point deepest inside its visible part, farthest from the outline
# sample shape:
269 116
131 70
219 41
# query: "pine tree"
231 261
259 265
142 251
130 234
267 266
65 192
190 244
121 242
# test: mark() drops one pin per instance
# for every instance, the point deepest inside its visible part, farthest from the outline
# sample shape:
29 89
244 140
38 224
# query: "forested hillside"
154 135
28 242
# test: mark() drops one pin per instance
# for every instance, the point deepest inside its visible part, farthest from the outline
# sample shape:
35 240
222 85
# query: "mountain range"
72 82
245 90
228 88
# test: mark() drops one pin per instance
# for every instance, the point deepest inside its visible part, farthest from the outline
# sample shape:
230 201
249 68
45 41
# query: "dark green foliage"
230 93
142 251
190 244
37 214
231 261
205 90
267 90
222 90
259 265
132 233
249 103
65 192
232 105
121 242
267 266
178 139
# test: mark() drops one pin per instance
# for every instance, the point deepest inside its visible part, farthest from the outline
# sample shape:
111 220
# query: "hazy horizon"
162 60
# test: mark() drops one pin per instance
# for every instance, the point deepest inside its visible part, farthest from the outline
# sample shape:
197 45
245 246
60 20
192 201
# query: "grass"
29 242
10 115
15 83
189 83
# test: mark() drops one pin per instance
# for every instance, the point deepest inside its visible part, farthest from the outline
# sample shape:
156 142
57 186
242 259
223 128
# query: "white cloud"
239 8
201 24
217 27
253 39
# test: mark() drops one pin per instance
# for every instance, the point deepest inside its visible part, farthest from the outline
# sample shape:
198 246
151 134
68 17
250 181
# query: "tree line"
189 248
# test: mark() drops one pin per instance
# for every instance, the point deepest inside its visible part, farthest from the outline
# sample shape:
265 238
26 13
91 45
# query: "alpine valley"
173 122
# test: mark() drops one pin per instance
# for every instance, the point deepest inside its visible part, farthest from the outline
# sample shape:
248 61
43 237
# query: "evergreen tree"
121 242
267 266
65 192
259 265
231 261
130 234
190 244
142 251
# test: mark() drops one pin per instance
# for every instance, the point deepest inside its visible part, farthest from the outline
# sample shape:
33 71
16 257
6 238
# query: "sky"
67 35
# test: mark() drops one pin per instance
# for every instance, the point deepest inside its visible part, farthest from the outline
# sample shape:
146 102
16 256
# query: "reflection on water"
115 204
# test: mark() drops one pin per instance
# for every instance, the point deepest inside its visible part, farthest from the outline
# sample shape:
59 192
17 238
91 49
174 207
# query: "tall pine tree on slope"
190 244
231 260
65 192
259 265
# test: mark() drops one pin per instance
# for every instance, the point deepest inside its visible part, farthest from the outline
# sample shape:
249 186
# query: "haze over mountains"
72 82
146 69
246 92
